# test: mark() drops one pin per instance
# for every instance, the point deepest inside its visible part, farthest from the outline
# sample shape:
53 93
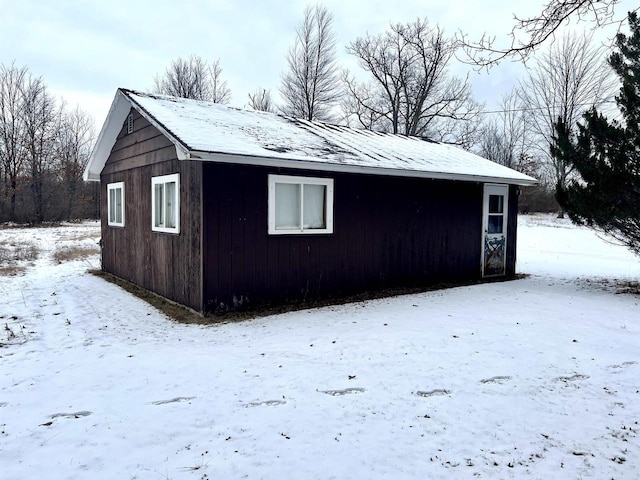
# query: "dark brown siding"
167 264
388 232
512 233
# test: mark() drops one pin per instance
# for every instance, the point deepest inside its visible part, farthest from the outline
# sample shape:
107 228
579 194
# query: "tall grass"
18 252
74 253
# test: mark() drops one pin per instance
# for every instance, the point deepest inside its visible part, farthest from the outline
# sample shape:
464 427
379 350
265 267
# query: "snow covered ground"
533 378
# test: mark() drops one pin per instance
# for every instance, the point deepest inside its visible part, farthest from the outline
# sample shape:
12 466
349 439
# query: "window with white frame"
165 203
115 204
300 205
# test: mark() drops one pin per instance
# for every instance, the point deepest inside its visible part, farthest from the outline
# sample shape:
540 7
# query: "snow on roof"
210 131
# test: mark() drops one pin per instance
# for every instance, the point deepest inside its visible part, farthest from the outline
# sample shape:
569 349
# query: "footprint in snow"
266 403
496 379
173 400
83 413
3 404
346 391
572 378
622 365
433 393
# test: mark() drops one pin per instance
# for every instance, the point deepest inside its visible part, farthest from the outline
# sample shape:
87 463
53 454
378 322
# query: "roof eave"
346 168
107 137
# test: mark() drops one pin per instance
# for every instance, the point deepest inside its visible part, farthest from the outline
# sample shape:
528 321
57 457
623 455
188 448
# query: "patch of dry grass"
80 236
10 270
16 252
629 287
12 253
67 254
617 286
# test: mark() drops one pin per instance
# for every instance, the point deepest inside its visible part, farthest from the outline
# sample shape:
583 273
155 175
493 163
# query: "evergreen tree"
606 154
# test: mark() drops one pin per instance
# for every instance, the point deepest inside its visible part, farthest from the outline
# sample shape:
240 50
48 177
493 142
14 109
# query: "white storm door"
494 228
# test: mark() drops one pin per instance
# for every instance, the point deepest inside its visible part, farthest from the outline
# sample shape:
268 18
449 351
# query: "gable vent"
130 123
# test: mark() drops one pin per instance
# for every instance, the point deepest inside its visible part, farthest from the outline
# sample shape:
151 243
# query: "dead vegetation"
629 287
15 255
10 270
13 333
16 252
615 285
67 254
12 253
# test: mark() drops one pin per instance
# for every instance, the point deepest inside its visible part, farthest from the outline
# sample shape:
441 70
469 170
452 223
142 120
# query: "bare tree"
261 100
220 93
504 138
73 146
411 91
538 29
12 129
311 85
563 83
41 124
194 78
43 152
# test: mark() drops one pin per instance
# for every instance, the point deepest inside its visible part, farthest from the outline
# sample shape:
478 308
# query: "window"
165 203
115 204
300 205
496 214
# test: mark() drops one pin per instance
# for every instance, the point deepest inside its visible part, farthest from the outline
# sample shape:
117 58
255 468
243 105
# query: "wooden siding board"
167 264
249 252
388 232
284 267
142 135
257 220
225 225
139 122
211 231
144 147
238 247
271 290
512 228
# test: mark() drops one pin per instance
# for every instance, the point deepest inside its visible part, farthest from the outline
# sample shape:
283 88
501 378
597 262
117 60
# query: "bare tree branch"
563 83
43 152
530 33
12 131
41 124
505 137
261 100
411 91
194 78
74 141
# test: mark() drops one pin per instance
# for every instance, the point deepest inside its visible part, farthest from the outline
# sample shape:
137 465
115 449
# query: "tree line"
44 148
405 85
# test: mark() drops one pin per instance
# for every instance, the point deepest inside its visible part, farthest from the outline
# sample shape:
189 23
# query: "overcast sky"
86 49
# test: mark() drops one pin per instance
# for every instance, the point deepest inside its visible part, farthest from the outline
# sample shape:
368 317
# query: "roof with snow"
213 132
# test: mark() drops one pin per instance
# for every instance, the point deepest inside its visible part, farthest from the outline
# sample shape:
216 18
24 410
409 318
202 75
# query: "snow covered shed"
219 208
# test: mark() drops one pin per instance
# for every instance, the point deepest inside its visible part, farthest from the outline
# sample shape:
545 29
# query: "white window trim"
328 182
114 186
175 177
